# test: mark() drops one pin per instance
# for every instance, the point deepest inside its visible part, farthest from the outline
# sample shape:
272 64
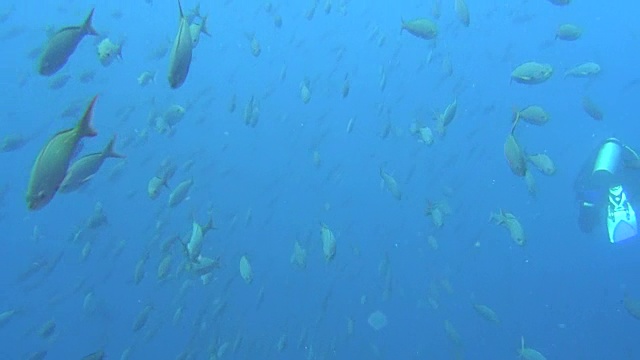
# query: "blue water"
562 291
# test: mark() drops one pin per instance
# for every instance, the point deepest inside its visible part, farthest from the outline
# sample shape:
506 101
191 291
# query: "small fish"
194 246
12 142
511 223
98 355
436 9
204 266
87 76
443 120
592 109
531 73
632 305
277 21
530 181
328 243
181 52
158 51
62 45
452 333
232 104
586 70
345 86
568 32
180 193
51 164
486 313
514 155
533 114
299 256
108 51
59 81
254 44
164 268
85 168
462 11
245 270
141 320
435 211
146 78
154 186
543 163
197 29
9 314
421 27
529 353
391 184
47 329
305 91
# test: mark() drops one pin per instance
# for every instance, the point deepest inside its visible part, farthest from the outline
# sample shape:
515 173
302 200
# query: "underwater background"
273 165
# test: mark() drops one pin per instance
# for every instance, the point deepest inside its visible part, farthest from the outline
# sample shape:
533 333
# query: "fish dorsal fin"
515 122
180 8
109 150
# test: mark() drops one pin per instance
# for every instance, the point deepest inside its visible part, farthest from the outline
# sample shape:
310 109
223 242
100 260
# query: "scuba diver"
607 186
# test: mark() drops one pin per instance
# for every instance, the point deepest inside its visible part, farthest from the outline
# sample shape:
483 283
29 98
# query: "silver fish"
180 58
85 168
50 167
62 44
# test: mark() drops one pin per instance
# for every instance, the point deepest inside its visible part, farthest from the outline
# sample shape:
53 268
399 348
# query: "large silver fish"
52 162
180 58
62 44
82 170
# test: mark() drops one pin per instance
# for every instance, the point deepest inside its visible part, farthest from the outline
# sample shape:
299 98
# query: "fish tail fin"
88 26
210 225
185 249
402 24
109 150
203 27
164 181
515 114
84 127
515 122
119 51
